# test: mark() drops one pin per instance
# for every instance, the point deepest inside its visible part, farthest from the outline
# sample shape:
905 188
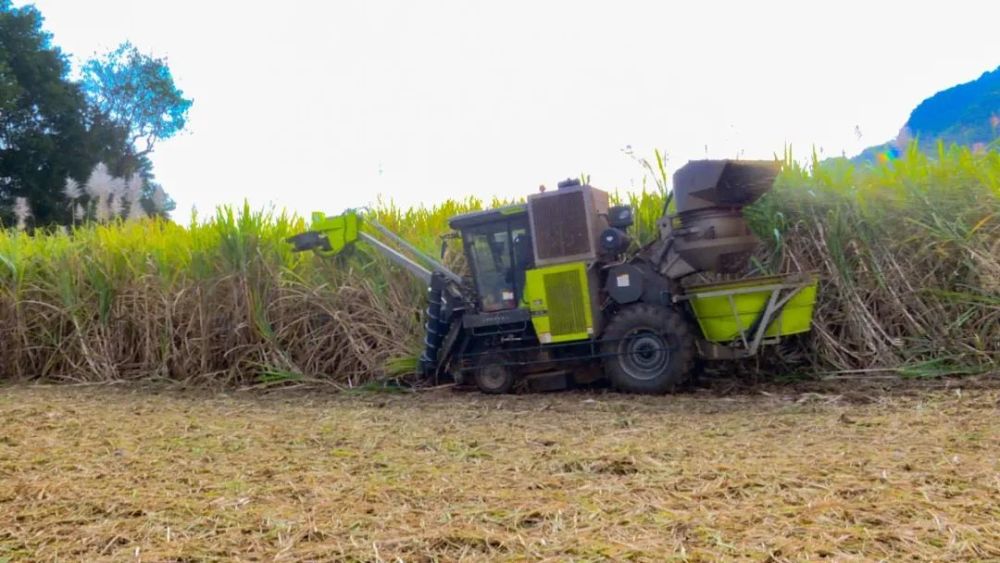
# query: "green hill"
967 114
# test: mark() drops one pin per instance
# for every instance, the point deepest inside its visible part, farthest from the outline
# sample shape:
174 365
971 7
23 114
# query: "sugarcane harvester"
558 292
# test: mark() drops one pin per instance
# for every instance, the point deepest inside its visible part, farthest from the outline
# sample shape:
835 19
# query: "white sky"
322 105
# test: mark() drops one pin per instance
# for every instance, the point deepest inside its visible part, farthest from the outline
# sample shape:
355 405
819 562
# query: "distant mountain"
967 114
964 114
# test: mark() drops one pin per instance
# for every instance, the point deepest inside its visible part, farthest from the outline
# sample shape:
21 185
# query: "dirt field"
112 473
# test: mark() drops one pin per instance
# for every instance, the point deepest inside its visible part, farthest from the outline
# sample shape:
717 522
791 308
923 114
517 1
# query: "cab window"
490 251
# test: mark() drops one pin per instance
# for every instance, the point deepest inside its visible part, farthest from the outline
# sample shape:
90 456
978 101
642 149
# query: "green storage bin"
723 309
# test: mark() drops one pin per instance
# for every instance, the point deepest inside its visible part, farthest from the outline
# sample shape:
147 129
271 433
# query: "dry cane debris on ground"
111 473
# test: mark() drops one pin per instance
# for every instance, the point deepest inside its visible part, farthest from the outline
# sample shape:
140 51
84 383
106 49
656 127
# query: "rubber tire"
491 378
653 323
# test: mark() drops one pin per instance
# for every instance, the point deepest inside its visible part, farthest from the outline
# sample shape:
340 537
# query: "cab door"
496 255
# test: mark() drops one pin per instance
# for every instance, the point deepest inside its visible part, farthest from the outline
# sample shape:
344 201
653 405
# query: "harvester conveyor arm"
398 257
439 267
331 235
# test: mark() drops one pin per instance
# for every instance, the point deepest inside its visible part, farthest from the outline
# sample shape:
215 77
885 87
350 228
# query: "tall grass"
909 252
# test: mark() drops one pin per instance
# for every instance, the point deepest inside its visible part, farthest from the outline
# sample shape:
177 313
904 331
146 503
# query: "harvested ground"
119 473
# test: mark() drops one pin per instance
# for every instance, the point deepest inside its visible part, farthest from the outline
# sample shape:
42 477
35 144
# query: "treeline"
908 252
55 129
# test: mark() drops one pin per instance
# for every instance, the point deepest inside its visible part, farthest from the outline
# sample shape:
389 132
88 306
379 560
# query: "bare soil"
144 474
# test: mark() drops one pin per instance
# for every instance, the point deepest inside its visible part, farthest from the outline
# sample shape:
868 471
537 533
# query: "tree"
54 131
137 93
44 133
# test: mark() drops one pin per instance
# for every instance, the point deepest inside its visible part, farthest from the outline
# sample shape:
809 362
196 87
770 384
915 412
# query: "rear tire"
648 349
492 376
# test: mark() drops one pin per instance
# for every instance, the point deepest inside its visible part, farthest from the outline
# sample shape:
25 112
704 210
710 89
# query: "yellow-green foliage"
225 300
909 252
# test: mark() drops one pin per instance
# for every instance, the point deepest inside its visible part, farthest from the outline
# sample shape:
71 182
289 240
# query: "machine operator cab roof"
497 244
476 218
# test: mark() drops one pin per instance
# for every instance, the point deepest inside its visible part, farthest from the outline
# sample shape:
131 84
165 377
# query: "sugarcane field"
98 473
422 281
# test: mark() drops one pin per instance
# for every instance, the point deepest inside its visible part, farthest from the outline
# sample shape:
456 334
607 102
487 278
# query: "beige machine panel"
566 224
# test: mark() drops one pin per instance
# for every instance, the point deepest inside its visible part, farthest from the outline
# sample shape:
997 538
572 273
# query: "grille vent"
560 225
566 301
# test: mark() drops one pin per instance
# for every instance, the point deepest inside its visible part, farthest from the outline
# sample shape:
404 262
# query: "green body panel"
559 299
340 230
721 319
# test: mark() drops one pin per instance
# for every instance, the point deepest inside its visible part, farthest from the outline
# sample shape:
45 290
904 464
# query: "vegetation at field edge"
908 252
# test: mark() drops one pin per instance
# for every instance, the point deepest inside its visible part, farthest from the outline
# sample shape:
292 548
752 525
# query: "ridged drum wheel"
648 349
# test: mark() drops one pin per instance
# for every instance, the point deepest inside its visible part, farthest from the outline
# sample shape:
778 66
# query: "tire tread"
666 319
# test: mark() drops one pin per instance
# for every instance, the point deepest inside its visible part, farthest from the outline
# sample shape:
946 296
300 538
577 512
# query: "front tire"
492 376
648 349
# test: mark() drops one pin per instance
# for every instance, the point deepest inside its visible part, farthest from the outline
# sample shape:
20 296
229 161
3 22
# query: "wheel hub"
493 377
644 354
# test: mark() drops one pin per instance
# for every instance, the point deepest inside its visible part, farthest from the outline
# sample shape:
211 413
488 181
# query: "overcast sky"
325 104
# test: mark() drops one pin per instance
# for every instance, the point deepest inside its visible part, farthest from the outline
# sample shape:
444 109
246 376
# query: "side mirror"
444 242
